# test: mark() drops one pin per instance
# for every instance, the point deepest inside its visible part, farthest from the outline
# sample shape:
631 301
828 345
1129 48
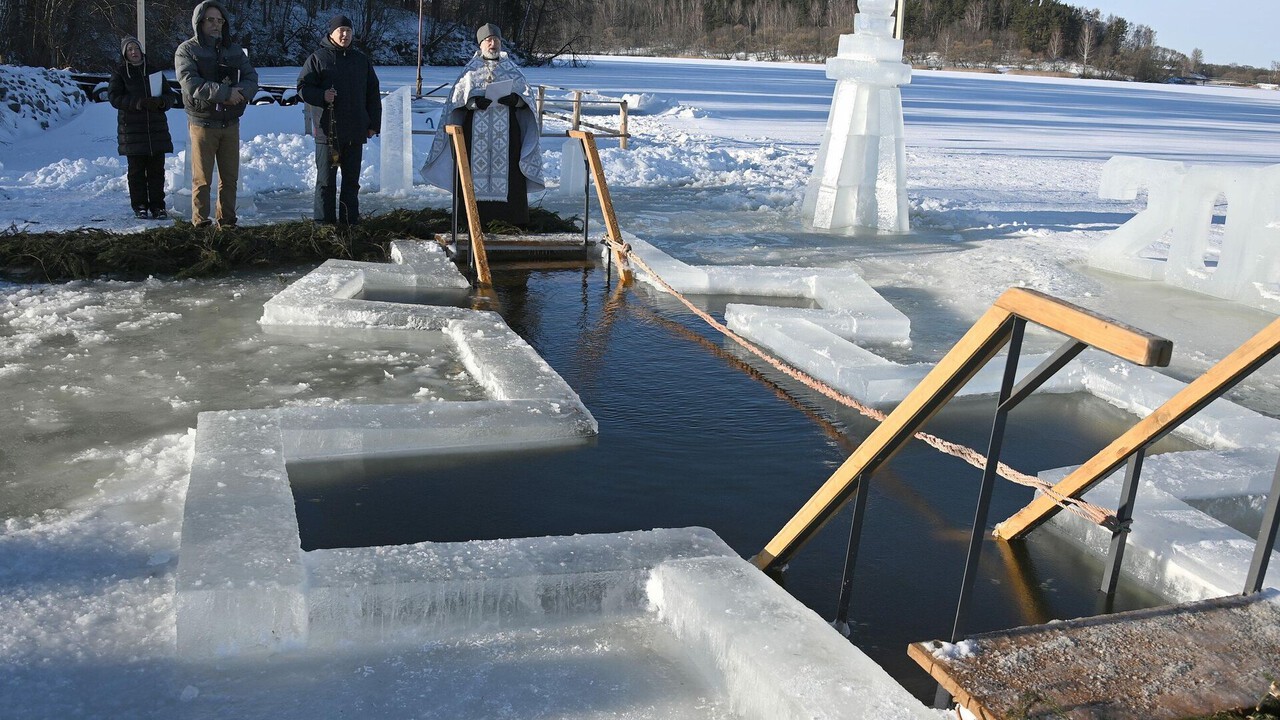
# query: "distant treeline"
1046 33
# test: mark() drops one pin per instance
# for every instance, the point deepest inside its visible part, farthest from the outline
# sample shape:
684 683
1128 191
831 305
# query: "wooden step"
517 248
1176 661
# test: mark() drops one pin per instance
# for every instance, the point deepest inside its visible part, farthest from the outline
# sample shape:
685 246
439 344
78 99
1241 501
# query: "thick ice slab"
1181 546
240 582
396 167
849 305
1175 548
448 590
616 668
776 658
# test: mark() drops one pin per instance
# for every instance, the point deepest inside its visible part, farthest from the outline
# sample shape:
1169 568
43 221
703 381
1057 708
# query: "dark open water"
691 434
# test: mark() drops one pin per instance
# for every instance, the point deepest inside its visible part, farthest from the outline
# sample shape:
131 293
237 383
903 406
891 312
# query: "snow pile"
648 103
35 99
79 174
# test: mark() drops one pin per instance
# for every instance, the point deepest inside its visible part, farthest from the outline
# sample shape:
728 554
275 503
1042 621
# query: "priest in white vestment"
493 103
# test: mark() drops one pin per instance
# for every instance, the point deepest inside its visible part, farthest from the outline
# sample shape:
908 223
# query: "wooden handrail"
575 120
1103 333
606 204
483 278
1250 356
981 343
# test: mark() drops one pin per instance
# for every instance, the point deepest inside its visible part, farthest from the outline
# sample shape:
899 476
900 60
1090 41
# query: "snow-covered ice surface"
104 379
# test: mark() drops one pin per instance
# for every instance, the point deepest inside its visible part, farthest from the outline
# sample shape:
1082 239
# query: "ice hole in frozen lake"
693 435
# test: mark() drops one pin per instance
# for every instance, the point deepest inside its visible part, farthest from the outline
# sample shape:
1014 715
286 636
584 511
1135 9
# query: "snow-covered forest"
1049 36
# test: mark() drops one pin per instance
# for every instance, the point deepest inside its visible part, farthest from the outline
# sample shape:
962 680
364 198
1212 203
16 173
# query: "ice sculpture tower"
859 180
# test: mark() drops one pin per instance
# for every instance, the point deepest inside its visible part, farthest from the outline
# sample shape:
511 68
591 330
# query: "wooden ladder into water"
547 251
1005 319
1242 362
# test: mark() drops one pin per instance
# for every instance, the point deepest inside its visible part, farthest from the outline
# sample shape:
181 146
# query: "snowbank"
35 99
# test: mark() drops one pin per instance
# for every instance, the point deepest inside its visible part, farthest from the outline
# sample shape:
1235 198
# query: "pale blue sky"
1239 31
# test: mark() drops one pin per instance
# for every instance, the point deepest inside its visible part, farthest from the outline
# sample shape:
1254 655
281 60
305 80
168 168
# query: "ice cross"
859 177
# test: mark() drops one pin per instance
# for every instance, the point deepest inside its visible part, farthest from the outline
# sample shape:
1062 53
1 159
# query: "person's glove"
156 103
478 102
512 100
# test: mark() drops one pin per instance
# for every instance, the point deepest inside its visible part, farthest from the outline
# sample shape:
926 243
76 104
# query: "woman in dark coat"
143 130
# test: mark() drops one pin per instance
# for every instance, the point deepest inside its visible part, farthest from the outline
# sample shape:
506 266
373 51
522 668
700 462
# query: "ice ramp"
1178 661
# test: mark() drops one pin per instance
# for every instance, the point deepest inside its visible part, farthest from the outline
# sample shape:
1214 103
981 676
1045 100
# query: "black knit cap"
339 21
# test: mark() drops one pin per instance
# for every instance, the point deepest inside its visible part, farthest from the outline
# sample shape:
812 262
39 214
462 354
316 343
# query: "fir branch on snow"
182 251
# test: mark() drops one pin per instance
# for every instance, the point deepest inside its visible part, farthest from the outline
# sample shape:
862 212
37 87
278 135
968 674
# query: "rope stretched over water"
1089 511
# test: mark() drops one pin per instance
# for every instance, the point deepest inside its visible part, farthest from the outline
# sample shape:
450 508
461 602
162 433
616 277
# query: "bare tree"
1054 47
1087 40
974 16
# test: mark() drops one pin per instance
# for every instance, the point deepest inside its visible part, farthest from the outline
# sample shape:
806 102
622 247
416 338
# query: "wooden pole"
577 109
142 25
483 278
418 90
606 204
622 126
542 97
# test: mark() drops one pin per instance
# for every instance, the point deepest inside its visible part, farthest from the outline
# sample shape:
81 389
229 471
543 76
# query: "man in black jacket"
340 82
217 83
142 130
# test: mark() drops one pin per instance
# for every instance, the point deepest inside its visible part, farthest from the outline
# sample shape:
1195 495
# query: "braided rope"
1089 511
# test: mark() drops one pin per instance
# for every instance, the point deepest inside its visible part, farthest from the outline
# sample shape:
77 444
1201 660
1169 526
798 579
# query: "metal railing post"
998 423
586 199
454 199
1266 539
1124 518
851 553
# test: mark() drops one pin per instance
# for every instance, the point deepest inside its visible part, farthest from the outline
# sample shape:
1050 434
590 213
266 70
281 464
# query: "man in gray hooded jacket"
217 83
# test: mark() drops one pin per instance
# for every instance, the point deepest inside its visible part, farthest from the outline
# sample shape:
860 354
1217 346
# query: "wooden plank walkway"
1176 661
508 248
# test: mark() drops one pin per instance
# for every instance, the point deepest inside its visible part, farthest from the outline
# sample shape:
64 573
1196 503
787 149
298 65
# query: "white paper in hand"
499 89
156 81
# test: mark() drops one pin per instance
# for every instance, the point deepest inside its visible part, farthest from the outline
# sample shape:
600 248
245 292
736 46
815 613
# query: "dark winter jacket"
209 68
142 129
358 103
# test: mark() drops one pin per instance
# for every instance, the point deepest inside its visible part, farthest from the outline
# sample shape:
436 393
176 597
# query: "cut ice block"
847 300
573 170
396 172
240 582
313 433
1174 549
440 590
776 658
